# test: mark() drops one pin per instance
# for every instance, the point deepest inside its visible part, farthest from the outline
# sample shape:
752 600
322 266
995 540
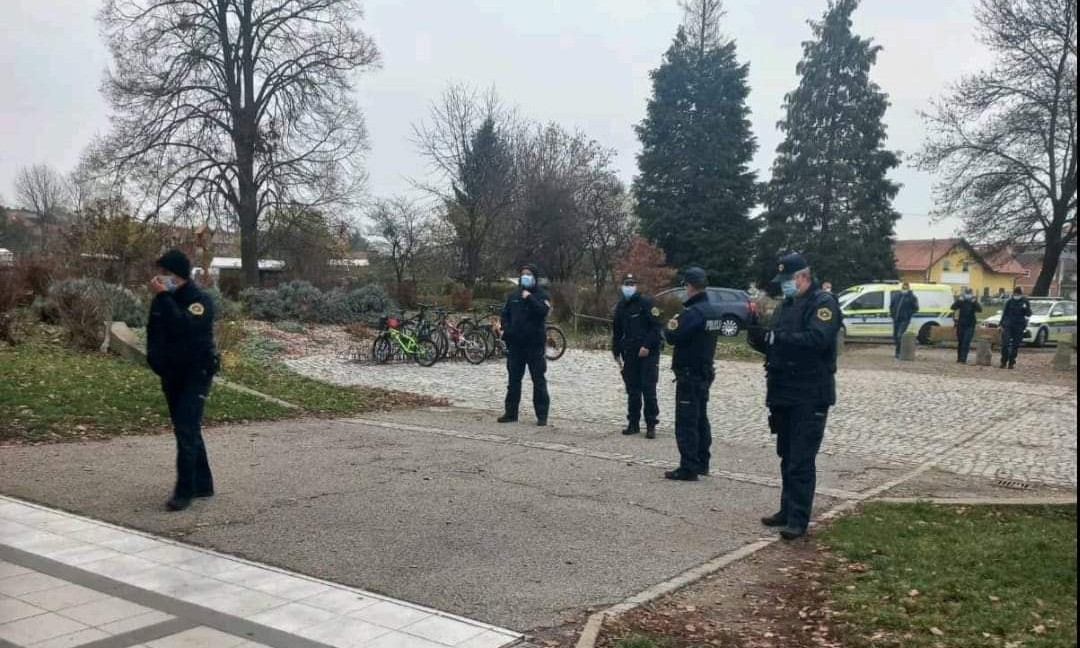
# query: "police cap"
695 276
788 265
630 279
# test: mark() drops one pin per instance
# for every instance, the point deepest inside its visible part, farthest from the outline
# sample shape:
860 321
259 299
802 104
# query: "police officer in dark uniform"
1014 321
180 349
800 363
524 323
635 341
967 309
693 332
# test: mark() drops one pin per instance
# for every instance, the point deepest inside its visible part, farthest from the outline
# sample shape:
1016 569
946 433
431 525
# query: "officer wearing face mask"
180 349
1014 320
524 322
800 366
635 341
966 309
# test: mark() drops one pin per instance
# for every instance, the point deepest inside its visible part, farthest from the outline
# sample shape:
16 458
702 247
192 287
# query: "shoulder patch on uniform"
196 309
655 311
824 314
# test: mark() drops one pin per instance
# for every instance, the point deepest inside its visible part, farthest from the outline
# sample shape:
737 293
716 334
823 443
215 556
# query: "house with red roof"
956 263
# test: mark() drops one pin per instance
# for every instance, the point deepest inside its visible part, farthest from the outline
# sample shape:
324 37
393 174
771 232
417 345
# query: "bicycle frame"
405 342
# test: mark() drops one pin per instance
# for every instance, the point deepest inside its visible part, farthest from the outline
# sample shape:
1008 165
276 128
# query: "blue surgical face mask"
168 282
789 288
629 291
527 281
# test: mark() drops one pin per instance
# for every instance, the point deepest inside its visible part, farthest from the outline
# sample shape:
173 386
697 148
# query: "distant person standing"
1014 320
635 341
180 349
965 308
523 323
826 286
902 307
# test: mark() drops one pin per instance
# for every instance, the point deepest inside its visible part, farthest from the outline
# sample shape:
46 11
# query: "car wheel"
1041 337
729 326
926 333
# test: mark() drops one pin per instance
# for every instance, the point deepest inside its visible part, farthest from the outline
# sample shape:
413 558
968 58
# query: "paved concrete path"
513 525
68 581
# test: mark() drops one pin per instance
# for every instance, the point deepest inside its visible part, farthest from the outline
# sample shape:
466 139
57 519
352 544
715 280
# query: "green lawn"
49 393
922 576
314 396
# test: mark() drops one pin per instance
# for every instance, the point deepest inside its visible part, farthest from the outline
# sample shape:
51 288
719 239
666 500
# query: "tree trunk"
1051 259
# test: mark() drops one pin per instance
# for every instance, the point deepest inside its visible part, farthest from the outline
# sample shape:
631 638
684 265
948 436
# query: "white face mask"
168 282
629 291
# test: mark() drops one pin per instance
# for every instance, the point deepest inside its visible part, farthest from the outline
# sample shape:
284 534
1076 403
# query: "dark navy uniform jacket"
524 319
800 363
180 334
693 332
637 324
1016 312
966 310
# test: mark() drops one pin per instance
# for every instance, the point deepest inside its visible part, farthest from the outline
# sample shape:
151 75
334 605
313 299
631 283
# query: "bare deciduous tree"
401 231
1004 140
469 141
40 189
236 107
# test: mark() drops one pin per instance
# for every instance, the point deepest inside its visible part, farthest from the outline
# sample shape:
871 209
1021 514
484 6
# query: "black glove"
758 338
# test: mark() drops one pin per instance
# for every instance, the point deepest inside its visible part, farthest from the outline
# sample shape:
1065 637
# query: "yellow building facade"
954 263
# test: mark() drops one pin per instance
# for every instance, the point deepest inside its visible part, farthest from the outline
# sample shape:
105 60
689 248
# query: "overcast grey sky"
582 63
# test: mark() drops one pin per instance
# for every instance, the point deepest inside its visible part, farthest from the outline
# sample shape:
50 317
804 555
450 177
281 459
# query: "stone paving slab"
887 416
69 581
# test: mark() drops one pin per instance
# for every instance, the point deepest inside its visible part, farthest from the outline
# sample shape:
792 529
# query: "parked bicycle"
471 345
554 338
393 341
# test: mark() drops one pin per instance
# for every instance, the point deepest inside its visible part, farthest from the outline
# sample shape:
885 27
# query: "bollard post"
907 347
840 342
984 353
1063 354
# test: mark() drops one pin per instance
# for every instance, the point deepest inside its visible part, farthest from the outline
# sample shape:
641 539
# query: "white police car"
1052 320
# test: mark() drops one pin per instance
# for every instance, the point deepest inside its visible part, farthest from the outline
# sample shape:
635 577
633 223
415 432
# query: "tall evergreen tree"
695 187
829 196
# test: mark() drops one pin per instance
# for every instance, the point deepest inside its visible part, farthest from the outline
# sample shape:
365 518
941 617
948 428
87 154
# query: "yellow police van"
1052 320
866 309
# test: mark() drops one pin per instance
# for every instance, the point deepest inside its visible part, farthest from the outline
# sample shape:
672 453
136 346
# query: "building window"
965 266
947 267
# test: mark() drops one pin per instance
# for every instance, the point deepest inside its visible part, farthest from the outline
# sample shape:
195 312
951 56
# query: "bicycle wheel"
555 343
474 348
491 341
441 340
427 354
466 326
382 349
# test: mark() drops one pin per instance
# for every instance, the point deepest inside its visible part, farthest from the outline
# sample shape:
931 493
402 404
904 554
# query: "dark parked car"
739 311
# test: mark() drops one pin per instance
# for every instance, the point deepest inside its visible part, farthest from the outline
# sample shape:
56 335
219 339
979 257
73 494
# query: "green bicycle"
393 342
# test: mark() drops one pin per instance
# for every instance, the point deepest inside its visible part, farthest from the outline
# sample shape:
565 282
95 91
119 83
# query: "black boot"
506 418
177 503
541 422
650 431
681 474
631 429
777 519
792 533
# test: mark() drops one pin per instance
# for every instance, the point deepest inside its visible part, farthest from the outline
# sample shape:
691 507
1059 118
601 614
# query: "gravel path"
1010 430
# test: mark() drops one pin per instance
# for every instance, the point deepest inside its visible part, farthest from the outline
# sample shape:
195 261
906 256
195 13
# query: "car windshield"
1041 308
